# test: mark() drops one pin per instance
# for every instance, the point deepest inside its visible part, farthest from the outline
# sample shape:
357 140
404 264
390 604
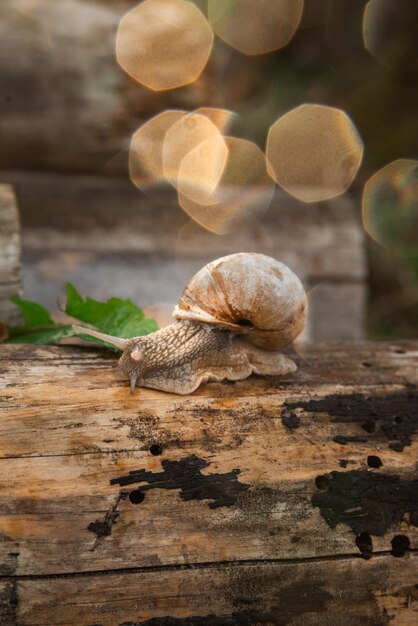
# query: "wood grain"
225 507
10 263
347 592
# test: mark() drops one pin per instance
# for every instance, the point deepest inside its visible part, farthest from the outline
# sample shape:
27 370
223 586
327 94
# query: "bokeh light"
146 152
255 27
198 176
390 32
222 118
314 152
244 186
390 207
164 44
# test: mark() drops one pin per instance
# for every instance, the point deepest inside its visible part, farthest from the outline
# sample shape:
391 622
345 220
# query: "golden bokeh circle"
244 186
390 33
147 144
201 169
196 177
164 44
314 152
390 207
222 118
146 152
255 26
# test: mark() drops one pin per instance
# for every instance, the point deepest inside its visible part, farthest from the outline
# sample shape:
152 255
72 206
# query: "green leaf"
39 335
121 318
136 327
33 313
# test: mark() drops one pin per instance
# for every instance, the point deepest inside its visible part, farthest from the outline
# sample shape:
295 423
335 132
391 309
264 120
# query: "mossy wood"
269 501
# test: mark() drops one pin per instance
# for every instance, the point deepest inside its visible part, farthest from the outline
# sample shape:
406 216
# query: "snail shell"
250 294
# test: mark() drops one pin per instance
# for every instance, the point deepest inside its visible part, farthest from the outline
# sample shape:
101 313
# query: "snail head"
133 361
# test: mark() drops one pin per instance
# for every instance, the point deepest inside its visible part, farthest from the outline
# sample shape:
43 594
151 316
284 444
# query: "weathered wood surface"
10 265
246 503
99 233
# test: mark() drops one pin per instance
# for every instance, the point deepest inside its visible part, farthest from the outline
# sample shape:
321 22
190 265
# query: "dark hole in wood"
369 426
374 461
136 496
366 364
400 351
400 545
156 449
399 419
322 482
244 323
365 545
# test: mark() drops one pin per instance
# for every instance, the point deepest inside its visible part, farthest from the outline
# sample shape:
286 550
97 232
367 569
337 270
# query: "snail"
231 320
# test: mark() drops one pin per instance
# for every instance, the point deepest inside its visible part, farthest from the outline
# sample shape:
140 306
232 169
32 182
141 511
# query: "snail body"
230 322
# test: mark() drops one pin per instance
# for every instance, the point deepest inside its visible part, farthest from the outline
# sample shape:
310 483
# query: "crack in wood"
104 528
220 565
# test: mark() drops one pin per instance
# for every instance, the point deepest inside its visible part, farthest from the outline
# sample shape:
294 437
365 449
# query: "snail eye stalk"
133 378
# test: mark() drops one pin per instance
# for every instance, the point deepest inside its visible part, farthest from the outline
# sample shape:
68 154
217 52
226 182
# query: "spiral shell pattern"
251 294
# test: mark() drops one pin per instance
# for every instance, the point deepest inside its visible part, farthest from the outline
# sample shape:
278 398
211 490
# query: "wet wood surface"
268 501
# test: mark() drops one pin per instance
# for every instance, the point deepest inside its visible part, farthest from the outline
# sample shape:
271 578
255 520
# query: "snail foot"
269 363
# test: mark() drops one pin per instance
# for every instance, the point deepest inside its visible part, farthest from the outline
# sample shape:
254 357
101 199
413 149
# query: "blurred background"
68 112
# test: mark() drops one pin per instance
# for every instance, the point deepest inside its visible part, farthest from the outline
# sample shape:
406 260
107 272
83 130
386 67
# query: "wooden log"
269 501
100 233
10 266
